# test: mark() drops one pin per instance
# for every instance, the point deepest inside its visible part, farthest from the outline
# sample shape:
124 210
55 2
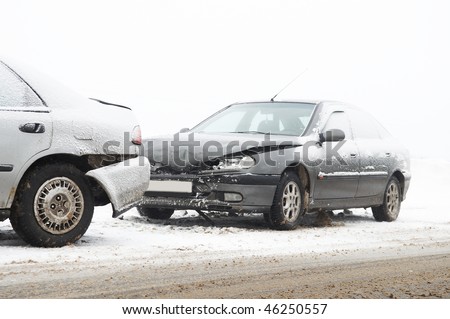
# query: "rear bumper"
209 193
124 182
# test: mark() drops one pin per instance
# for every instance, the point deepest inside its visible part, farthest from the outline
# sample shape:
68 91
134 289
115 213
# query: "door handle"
353 155
32 128
388 154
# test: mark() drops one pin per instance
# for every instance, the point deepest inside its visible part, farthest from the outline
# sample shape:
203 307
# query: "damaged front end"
232 192
213 172
221 184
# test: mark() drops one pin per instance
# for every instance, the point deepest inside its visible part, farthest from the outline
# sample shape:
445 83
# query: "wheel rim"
393 200
58 205
291 201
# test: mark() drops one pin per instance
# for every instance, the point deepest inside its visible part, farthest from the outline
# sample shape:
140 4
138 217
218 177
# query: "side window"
339 120
363 125
382 131
14 92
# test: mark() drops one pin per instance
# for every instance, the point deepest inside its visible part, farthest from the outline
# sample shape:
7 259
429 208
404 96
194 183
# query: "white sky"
175 62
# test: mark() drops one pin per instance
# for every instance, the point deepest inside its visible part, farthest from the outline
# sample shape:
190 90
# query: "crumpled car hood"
183 151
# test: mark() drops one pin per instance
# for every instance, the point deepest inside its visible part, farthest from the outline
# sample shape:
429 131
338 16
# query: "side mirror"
334 135
184 130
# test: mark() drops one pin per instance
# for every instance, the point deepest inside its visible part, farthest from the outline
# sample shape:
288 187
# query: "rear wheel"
287 208
155 213
53 206
390 208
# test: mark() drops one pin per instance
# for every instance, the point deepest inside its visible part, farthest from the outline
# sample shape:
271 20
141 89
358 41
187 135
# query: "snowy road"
240 257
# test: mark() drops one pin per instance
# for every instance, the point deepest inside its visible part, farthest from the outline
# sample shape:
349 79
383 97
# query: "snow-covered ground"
424 223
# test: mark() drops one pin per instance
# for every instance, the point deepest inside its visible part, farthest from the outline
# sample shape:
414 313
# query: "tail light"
136 135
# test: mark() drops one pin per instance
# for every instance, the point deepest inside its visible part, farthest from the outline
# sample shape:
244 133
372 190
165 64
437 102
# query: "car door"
337 178
375 154
25 129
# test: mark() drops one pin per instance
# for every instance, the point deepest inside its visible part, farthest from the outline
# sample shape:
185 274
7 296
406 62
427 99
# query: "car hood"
182 151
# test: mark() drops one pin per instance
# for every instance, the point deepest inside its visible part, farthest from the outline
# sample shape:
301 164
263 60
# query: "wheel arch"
305 179
401 178
79 162
84 163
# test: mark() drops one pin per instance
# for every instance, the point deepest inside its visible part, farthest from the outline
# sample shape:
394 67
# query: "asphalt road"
355 275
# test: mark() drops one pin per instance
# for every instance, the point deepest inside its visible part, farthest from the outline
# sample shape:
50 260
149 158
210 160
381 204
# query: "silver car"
62 154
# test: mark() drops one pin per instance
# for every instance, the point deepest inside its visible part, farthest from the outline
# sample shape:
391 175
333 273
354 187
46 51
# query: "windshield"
278 118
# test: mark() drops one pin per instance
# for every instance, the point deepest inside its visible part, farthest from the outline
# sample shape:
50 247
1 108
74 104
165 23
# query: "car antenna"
300 74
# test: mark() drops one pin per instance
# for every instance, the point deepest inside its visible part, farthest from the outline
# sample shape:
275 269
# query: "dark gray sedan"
281 159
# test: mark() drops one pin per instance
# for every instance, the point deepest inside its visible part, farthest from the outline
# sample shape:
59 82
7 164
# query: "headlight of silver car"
237 162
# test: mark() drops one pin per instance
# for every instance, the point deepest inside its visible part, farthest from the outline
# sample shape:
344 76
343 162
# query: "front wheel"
390 208
53 206
287 208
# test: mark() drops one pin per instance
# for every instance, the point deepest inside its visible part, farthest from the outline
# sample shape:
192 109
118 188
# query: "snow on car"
281 159
50 137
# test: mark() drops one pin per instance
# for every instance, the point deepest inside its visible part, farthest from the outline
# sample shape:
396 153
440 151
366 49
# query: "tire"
287 208
155 213
389 210
53 206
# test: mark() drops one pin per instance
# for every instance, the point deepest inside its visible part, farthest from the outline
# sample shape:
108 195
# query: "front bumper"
211 193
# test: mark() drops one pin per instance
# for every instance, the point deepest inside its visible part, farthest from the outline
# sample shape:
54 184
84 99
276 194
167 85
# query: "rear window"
363 125
14 92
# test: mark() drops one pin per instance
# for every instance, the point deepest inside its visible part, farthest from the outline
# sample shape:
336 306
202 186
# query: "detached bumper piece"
124 182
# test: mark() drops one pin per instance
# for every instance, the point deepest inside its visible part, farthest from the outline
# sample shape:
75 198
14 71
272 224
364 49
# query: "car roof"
323 103
280 101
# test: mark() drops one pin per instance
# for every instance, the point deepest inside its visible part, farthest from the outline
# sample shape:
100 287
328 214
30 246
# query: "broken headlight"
237 162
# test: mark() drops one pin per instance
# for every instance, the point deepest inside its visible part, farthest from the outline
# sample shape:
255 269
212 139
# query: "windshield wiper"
251 132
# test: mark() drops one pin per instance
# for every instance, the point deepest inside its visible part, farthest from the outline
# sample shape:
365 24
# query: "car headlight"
237 162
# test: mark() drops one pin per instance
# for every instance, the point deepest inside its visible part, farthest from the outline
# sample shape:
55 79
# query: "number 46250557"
300 309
